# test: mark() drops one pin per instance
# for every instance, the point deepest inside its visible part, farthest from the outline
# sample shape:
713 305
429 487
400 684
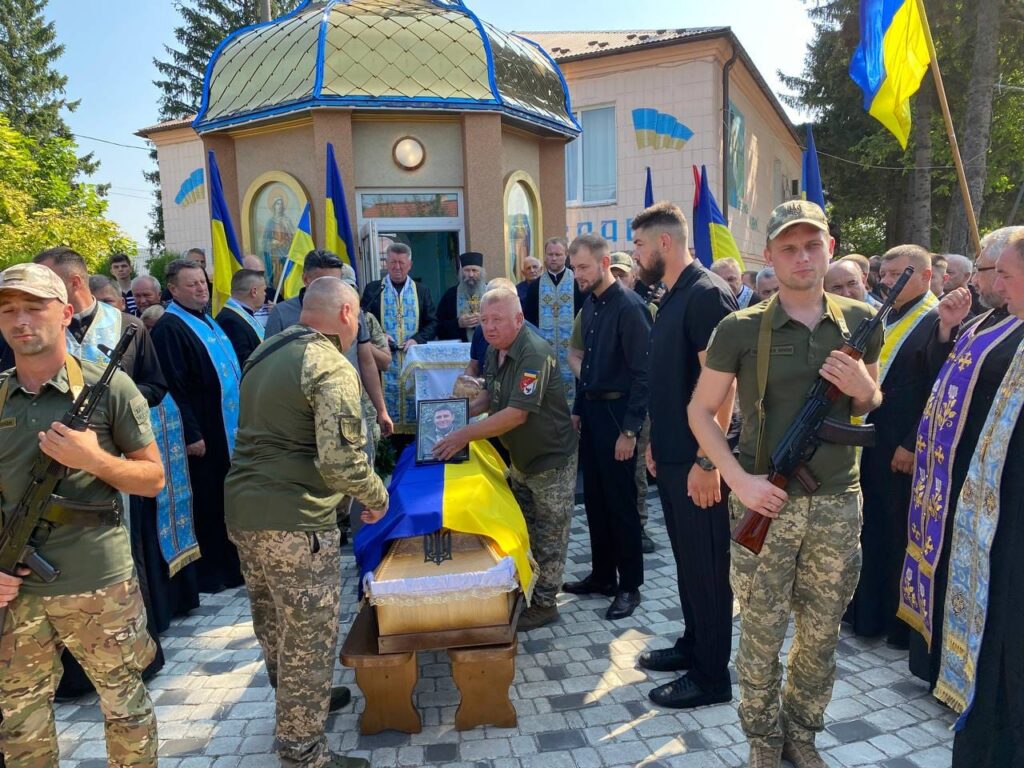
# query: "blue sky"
110 46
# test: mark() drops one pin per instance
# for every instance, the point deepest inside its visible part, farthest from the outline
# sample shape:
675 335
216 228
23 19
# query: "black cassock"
242 337
993 736
887 493
448 318
924 663
196 389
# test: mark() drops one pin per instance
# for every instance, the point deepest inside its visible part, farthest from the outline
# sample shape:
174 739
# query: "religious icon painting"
435 420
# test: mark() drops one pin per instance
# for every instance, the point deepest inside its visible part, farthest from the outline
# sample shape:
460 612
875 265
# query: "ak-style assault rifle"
812 427
29 524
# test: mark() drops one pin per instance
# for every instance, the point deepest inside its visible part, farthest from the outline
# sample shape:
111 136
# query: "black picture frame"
427 427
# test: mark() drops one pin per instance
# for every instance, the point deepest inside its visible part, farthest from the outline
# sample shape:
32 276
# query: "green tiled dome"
382 54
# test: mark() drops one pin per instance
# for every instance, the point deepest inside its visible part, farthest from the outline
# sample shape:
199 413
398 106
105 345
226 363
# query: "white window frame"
577 147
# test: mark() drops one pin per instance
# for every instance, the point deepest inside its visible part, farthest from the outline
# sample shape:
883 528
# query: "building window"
590 159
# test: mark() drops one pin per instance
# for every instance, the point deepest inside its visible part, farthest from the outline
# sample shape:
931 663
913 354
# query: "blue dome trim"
561 77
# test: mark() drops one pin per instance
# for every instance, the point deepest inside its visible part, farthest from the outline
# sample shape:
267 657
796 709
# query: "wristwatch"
629 433
705 463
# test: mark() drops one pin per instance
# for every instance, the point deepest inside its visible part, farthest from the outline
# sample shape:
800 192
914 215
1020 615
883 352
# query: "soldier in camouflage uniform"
94 608
811 558
299 451
530 415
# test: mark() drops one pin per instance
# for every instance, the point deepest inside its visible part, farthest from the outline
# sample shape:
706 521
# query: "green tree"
41 207
32 90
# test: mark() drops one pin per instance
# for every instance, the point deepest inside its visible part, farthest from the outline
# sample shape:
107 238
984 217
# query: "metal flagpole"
957 160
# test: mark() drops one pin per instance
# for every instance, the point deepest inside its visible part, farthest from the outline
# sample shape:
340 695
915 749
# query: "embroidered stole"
974 528
898 332
557 312
249 317
225 365
105 330
938 438
400 316
467 303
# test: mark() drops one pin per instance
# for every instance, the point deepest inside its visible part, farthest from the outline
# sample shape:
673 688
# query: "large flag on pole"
712 239
227 256
890 61
649 190
338 237
810 181
302 243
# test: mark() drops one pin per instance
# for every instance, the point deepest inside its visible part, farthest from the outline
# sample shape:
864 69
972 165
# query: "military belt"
87 514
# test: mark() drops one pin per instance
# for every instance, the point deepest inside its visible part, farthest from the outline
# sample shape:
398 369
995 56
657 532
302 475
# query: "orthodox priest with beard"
458 314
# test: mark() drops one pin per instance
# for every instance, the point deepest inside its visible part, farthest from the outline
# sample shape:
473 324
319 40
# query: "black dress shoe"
623 605
588 586
665 660
340 697
684 693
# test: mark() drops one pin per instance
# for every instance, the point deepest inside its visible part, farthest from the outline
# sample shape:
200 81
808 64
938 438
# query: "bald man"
299 450
845 278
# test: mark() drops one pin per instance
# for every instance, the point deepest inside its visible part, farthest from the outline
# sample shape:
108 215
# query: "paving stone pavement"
580 700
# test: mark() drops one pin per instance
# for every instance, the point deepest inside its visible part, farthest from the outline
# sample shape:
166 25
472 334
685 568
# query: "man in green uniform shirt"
811 559
94 608
299 450
529 414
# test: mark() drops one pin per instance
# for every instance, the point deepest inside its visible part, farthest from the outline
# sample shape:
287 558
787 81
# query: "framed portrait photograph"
434 420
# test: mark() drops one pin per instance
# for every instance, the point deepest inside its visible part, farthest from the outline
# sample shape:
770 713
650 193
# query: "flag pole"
280 281
948 119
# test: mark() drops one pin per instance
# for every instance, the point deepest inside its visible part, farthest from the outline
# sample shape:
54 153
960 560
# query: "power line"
108 141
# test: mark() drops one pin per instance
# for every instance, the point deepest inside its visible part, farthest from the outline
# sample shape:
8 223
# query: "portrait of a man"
437 419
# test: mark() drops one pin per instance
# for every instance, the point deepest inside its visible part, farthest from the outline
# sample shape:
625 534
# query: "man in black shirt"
610 407
692 496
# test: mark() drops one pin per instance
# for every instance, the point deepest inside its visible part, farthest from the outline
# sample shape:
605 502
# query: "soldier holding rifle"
93 606
811 558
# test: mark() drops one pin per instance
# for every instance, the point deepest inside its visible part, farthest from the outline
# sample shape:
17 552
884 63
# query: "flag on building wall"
712 239
302 243
227 256
649 190
338 231
810 179
890 61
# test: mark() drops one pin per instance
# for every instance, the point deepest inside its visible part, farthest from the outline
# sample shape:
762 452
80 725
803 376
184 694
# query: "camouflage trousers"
809 568
547 500
105 630
642 441
294 584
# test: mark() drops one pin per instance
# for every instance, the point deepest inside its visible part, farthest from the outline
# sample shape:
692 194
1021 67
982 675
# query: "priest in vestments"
238 317
981 675
406 312
458 314
551 304
203 374
906 379
961 399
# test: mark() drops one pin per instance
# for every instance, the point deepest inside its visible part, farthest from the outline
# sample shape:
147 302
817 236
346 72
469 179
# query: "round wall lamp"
408 153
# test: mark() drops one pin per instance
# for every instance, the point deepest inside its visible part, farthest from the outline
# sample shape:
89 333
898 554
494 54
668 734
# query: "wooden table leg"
483 676
388 695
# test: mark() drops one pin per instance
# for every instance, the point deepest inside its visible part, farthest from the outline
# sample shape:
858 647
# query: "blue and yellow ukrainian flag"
302 243
227 256
810 178
338 237
712 239
891 60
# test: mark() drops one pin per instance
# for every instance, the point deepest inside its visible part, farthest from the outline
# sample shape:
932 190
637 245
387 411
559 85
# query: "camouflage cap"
622 260
35 280
348 275
794 212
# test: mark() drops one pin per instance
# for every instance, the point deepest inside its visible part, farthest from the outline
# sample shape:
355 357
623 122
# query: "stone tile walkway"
581 703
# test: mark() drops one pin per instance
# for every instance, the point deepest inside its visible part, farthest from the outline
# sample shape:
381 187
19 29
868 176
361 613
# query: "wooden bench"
484 675
386 679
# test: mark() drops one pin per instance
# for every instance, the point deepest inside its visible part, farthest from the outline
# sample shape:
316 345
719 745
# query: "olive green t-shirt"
528 379
797 354
88 558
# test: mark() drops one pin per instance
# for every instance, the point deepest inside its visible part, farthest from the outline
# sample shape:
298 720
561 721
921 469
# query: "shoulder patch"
528 382
140 410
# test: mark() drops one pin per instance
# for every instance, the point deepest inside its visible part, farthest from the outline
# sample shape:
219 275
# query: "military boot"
802 754
762 756
537 616
340 761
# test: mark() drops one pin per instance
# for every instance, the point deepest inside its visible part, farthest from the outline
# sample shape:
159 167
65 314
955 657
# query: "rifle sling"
282 341
764 354
86 514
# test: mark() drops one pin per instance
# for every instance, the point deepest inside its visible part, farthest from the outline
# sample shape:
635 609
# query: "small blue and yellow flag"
810 177
890 61
712 239
302 243
227 256
338 232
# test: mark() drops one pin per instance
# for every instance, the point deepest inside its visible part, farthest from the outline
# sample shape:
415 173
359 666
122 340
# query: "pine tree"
32 91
